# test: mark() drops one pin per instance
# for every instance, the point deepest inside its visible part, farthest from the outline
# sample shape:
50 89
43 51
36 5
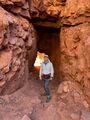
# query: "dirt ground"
25 101
28 104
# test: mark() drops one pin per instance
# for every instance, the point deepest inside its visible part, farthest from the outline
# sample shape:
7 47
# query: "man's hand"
40 77
51 78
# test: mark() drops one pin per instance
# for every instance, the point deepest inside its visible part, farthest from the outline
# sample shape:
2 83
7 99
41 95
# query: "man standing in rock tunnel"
46 74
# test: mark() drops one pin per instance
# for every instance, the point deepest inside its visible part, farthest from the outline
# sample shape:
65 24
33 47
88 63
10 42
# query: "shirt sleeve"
52 70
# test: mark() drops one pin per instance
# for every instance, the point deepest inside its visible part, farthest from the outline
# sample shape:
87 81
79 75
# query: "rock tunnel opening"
49 43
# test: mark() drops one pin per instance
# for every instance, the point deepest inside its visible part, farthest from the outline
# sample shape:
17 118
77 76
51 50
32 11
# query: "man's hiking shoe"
48 99
44 94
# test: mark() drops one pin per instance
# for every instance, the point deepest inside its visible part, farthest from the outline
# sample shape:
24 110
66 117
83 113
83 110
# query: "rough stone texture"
54 13
19 7
72 18
17 37
75 58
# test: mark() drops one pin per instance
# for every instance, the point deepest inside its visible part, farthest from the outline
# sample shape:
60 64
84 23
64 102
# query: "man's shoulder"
50 62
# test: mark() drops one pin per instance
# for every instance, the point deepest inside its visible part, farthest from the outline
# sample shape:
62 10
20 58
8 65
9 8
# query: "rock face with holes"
17 41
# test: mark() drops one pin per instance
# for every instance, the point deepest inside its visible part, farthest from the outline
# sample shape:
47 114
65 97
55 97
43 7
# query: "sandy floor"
30 102
25 101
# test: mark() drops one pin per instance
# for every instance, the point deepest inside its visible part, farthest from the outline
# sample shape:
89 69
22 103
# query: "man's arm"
52 70
40 72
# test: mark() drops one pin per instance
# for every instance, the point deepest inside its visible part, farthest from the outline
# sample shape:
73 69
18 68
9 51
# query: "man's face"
46 59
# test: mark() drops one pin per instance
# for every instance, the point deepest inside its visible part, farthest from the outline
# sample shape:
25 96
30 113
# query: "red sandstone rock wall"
17 41
61 8
75 58
19 7
71 16
60 12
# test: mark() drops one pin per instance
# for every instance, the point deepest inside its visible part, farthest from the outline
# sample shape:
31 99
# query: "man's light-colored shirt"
46 69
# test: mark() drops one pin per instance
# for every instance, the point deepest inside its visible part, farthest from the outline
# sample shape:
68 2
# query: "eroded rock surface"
54 13
19 7
17 37
18 46
75 59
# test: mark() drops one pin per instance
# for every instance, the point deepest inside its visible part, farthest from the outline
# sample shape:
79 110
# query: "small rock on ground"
25 117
